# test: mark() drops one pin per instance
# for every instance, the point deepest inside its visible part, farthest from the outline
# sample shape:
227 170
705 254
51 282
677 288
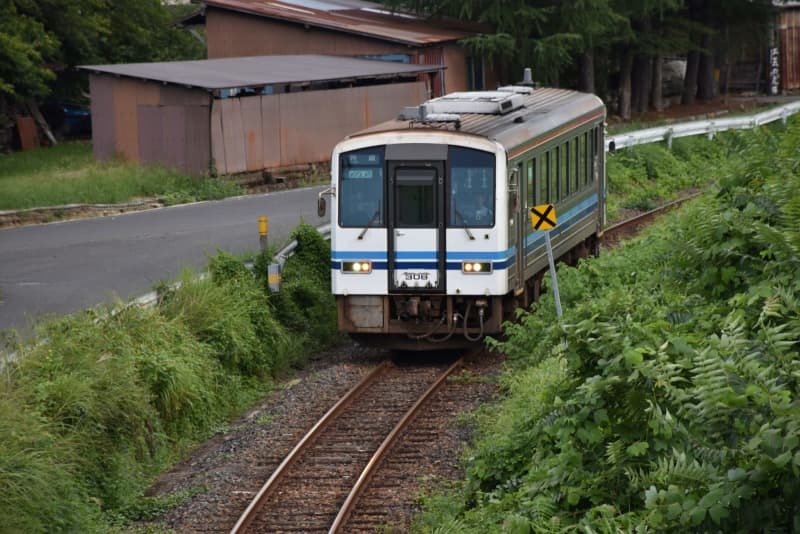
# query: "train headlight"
357 267
476 267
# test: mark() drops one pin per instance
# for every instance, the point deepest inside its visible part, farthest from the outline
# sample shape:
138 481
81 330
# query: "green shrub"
668 397
305 302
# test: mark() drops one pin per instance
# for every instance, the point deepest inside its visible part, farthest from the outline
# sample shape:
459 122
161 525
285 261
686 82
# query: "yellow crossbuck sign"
543 217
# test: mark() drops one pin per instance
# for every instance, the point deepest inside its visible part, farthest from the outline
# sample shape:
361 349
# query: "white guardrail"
707 127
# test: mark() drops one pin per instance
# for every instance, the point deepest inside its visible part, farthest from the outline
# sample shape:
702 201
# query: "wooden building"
348 28
245 114
788 48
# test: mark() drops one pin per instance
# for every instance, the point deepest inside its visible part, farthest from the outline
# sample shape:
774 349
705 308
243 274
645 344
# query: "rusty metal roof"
352 16
258 71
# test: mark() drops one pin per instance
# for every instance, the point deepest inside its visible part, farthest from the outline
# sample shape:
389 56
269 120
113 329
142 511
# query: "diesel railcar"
431 240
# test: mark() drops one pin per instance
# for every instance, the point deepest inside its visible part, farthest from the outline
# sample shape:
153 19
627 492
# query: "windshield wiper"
469 234
372 220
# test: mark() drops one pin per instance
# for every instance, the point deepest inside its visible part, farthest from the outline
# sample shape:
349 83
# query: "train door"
416 231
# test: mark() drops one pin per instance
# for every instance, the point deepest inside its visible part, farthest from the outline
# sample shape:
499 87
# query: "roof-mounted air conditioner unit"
485 102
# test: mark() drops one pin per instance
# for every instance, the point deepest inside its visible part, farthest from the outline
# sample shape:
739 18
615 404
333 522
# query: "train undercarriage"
420 321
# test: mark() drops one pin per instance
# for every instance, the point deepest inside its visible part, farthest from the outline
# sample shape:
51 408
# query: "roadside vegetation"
667 399
112 397
673 403
68 174
645 177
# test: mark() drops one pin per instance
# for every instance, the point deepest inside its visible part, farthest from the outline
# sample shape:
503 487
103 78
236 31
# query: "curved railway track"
631 226
318 484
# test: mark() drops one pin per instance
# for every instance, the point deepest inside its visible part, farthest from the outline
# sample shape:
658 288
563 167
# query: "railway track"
628 227
317 486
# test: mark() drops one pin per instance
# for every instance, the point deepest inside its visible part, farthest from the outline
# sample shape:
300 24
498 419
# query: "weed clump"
305 303
114 396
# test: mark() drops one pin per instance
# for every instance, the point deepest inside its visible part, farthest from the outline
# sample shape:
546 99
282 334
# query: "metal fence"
708 127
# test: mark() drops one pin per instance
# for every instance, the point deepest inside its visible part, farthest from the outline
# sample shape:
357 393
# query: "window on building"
475 77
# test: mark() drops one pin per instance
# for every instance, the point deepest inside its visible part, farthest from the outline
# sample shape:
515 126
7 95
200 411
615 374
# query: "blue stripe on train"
500 259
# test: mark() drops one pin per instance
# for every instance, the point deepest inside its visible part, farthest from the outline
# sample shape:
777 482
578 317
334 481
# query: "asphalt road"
60 268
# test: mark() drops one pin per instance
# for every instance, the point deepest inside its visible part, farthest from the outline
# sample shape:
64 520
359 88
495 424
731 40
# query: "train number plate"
416 278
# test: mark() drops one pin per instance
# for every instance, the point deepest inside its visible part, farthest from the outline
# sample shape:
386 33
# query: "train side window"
563 171
543 197
568 166
575 165
590 156
582 159
531 191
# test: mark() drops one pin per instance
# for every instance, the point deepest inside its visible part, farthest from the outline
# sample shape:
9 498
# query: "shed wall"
231 34
297 128
790 49
101 90
149 122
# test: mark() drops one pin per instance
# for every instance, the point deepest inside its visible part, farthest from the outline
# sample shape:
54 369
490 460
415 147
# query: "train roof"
508 116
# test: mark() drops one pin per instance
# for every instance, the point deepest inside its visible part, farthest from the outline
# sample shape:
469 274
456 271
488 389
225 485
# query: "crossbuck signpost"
543 217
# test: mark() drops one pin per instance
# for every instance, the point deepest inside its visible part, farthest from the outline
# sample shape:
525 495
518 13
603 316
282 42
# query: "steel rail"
266 490
391 438
622 225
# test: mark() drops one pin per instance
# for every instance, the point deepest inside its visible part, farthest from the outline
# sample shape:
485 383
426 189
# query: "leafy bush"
305 302
667 399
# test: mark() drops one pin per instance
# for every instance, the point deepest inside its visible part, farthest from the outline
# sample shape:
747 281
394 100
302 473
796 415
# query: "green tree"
41 41
24 45
612 47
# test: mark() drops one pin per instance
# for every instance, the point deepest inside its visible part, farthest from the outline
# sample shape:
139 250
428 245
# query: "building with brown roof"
348 28
244 114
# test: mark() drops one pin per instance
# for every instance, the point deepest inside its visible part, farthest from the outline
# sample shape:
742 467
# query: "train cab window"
361 188
472 188
415 198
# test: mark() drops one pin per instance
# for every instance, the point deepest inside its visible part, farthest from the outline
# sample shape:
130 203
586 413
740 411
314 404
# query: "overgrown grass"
643 177
667 399
112 397
68 174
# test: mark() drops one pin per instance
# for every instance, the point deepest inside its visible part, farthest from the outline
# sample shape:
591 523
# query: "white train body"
431 241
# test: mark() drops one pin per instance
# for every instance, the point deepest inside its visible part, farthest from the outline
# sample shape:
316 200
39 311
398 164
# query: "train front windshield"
362 188
469 189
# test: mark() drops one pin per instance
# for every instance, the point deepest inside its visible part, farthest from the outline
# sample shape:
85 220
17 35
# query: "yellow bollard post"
263 229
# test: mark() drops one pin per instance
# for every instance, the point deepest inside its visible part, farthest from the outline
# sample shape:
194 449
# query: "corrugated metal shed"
353 16
258 71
